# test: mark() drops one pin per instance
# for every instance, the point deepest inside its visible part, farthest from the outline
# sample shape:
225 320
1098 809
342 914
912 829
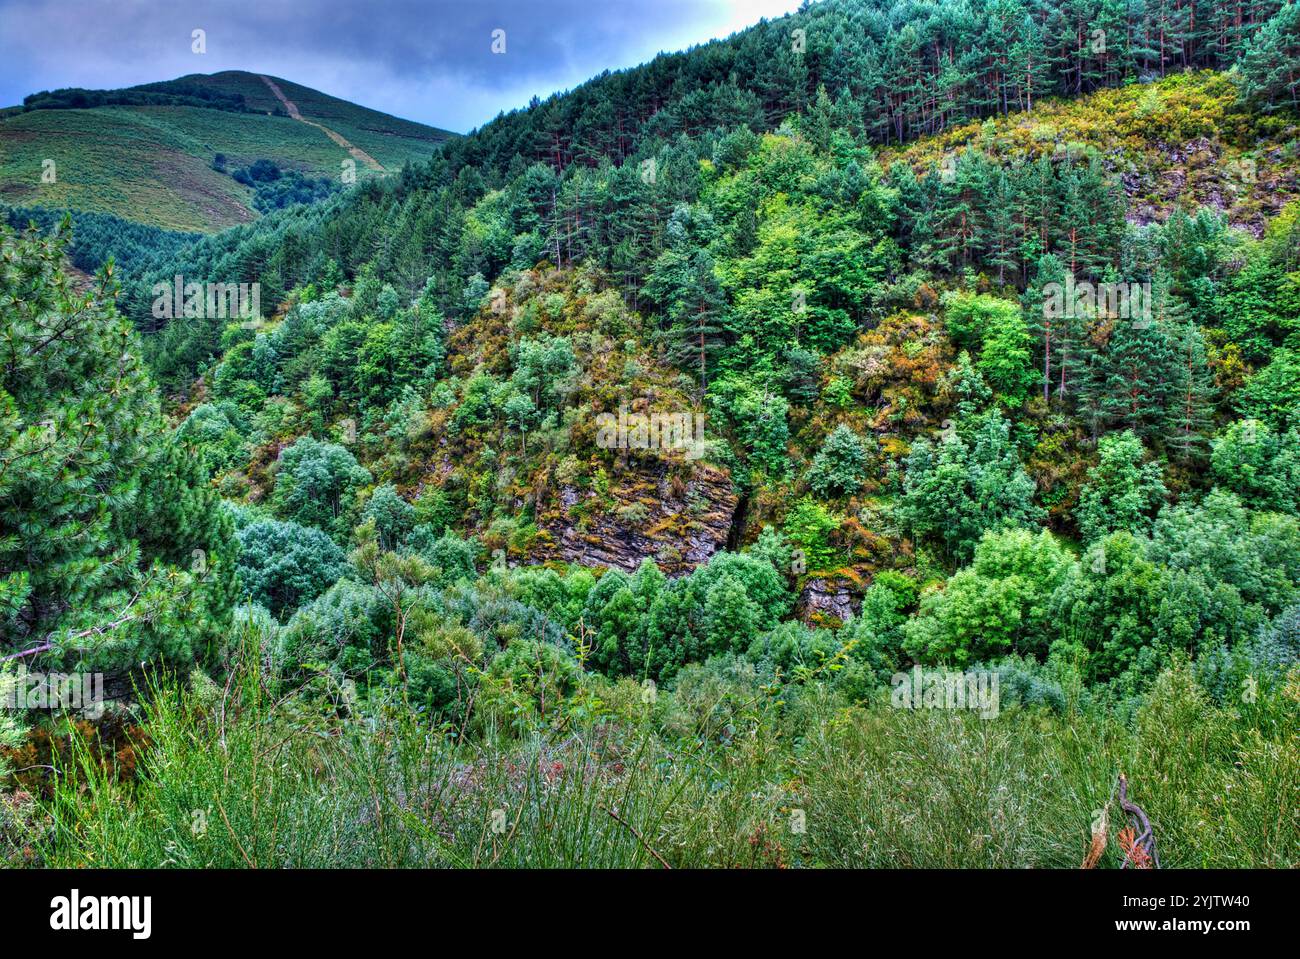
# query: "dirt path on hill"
292 109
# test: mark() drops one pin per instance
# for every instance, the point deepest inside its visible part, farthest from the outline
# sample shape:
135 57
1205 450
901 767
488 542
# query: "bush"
283 565
528 682
452 556
346 629
839 468
1001 603
876 632
969 483
808 527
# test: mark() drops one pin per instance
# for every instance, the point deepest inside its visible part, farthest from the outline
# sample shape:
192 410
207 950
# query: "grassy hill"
153 163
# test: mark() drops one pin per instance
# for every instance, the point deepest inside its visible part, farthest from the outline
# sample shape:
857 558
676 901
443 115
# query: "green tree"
809 527
94 568
876 631
1122 492
1259 465
1140 365
683 282
544 368
730 618
527 682
731 599
960 488
347 627
1268 62
1232 569
283 565
1273 394
1006 360
315 484
1107 611
1000 604
839 468
802 376
997 329
394 518
1192 414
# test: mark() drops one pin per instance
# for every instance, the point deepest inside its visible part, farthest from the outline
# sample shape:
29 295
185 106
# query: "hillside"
913 288
865 440
154 163
1183 142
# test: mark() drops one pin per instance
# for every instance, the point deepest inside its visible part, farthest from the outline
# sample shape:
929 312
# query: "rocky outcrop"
824 598
1246 189
678 522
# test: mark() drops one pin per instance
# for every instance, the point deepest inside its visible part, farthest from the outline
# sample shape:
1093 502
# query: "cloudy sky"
427 60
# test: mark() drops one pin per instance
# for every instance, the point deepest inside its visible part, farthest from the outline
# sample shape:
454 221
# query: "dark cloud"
429 60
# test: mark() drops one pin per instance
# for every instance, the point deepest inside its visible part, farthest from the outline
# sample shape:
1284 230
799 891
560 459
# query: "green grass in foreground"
707 776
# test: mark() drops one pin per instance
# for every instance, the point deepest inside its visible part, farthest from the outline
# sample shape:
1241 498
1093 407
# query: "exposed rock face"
826 597
677 523
1246 190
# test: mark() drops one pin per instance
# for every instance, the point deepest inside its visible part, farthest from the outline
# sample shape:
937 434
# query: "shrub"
527 682
839 467
283 565
808 527
347 628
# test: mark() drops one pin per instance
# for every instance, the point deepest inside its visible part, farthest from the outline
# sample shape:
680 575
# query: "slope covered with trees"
990 313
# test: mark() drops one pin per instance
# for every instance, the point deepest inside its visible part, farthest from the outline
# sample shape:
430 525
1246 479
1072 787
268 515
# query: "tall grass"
889 788
246 777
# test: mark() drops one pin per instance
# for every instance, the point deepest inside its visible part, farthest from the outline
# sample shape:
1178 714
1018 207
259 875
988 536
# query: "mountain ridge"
163 154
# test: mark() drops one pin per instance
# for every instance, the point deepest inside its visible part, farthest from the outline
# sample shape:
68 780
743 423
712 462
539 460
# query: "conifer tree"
111 549
683 280
1140 364
1192 416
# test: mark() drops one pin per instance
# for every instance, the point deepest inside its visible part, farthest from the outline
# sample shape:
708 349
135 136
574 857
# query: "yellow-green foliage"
1188 123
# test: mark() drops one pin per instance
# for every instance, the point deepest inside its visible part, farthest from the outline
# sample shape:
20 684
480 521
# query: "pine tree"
1140 365
1192 416
1271 62
112 549
684 282
1002 234
1046 305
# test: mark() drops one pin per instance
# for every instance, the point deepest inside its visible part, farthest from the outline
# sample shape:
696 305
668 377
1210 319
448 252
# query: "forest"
168 93
990 313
